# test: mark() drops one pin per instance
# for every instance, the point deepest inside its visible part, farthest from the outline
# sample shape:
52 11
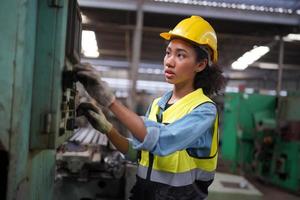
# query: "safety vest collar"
180 108
165 98
162 102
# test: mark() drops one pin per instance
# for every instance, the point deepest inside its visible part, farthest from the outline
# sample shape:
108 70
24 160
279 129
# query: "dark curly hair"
211 79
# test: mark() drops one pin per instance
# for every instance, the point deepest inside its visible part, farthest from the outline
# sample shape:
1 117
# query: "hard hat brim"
170 35
166 35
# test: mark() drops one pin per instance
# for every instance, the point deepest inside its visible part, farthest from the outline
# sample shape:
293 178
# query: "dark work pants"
148 190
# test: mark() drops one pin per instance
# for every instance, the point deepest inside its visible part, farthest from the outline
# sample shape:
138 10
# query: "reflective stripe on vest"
179 168
176 179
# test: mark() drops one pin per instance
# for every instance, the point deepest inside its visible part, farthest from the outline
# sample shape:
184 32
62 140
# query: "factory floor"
269 191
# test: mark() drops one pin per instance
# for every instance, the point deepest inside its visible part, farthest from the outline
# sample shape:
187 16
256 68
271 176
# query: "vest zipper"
151 158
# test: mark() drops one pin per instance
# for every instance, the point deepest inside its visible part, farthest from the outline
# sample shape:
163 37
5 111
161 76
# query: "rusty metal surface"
30 173
8 44
41 173
17 52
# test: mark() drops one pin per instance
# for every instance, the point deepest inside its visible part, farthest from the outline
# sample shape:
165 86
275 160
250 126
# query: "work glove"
91 80
95 116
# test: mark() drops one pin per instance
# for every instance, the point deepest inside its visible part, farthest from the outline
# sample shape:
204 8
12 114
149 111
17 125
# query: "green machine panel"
239 125
285 165
230 126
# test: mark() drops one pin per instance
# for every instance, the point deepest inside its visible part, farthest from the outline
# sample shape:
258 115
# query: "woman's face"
180 64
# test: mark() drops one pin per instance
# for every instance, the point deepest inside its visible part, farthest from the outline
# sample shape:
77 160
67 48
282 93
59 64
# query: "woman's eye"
180 55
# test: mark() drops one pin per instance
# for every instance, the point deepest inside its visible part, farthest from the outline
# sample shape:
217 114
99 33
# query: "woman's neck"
179 92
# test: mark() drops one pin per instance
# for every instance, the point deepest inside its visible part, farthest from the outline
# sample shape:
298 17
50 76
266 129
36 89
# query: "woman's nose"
169 61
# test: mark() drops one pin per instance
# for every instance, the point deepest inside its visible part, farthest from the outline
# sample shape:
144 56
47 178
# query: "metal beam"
280 65
251 73
205 11
109 4
120 63
275 66
221 13
260 74
136 52
158 65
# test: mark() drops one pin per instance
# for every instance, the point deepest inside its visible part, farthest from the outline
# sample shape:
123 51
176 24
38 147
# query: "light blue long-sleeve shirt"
192 132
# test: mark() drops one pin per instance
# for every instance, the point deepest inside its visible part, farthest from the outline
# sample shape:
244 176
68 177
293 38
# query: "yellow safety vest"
179 168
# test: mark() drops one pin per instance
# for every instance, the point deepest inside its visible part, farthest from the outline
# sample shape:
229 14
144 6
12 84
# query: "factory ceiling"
240 25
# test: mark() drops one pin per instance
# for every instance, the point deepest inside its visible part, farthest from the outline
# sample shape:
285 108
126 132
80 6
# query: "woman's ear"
201 65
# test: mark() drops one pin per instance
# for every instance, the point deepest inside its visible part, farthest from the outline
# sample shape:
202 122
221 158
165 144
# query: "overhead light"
292 37
89 44
265 65
84 18
283 93
249 57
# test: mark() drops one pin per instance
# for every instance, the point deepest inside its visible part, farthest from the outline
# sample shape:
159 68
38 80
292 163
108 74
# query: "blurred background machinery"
261 137
87 167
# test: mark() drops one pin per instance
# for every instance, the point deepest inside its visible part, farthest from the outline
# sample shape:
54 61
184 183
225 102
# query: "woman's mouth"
169 73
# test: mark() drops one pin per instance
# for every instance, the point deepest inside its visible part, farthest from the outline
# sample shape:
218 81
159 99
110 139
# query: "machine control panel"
58 49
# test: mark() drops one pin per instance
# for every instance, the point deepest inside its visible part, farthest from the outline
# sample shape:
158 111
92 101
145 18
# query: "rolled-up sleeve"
152 137
192 130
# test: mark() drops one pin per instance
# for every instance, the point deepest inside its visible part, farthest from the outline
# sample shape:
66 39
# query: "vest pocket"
168 163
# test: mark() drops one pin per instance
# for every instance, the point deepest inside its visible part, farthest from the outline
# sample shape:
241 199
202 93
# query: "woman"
178 138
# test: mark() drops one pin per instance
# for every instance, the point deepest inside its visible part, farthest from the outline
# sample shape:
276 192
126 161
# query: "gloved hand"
91 80
95 116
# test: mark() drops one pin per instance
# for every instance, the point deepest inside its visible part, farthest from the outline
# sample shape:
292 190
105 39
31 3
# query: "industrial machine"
40 154
261 137
88 167
40 44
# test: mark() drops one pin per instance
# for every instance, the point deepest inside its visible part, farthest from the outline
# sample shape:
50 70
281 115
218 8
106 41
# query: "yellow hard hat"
197 30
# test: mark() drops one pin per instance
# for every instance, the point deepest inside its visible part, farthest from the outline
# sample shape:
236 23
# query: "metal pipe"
137 42
279 82
280 65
